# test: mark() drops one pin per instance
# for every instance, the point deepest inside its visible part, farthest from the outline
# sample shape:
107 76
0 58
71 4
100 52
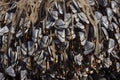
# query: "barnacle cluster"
59 40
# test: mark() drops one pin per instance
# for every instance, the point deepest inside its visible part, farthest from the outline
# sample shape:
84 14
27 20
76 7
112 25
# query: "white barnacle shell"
76 17
37 34
91 2
73 9
59 8
19 33
12 30
118 66
109 13
10 71
49 23
23 74
78 59
82 38
111 45
80 25
61 35
54 14
70 34
108 62
75 3
68 18
105 21
2 76
89 47
39 58
46 40
111 27
83 17
105 33
114 6
98 16
4 30
30 48
60 24
117 36
116 28
24 49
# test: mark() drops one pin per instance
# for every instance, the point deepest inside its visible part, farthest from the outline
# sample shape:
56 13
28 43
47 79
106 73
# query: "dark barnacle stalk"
60 39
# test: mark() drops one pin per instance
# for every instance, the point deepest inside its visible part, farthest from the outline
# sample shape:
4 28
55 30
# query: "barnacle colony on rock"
59 39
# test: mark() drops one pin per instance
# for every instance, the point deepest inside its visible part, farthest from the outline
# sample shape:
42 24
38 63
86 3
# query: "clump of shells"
59 39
